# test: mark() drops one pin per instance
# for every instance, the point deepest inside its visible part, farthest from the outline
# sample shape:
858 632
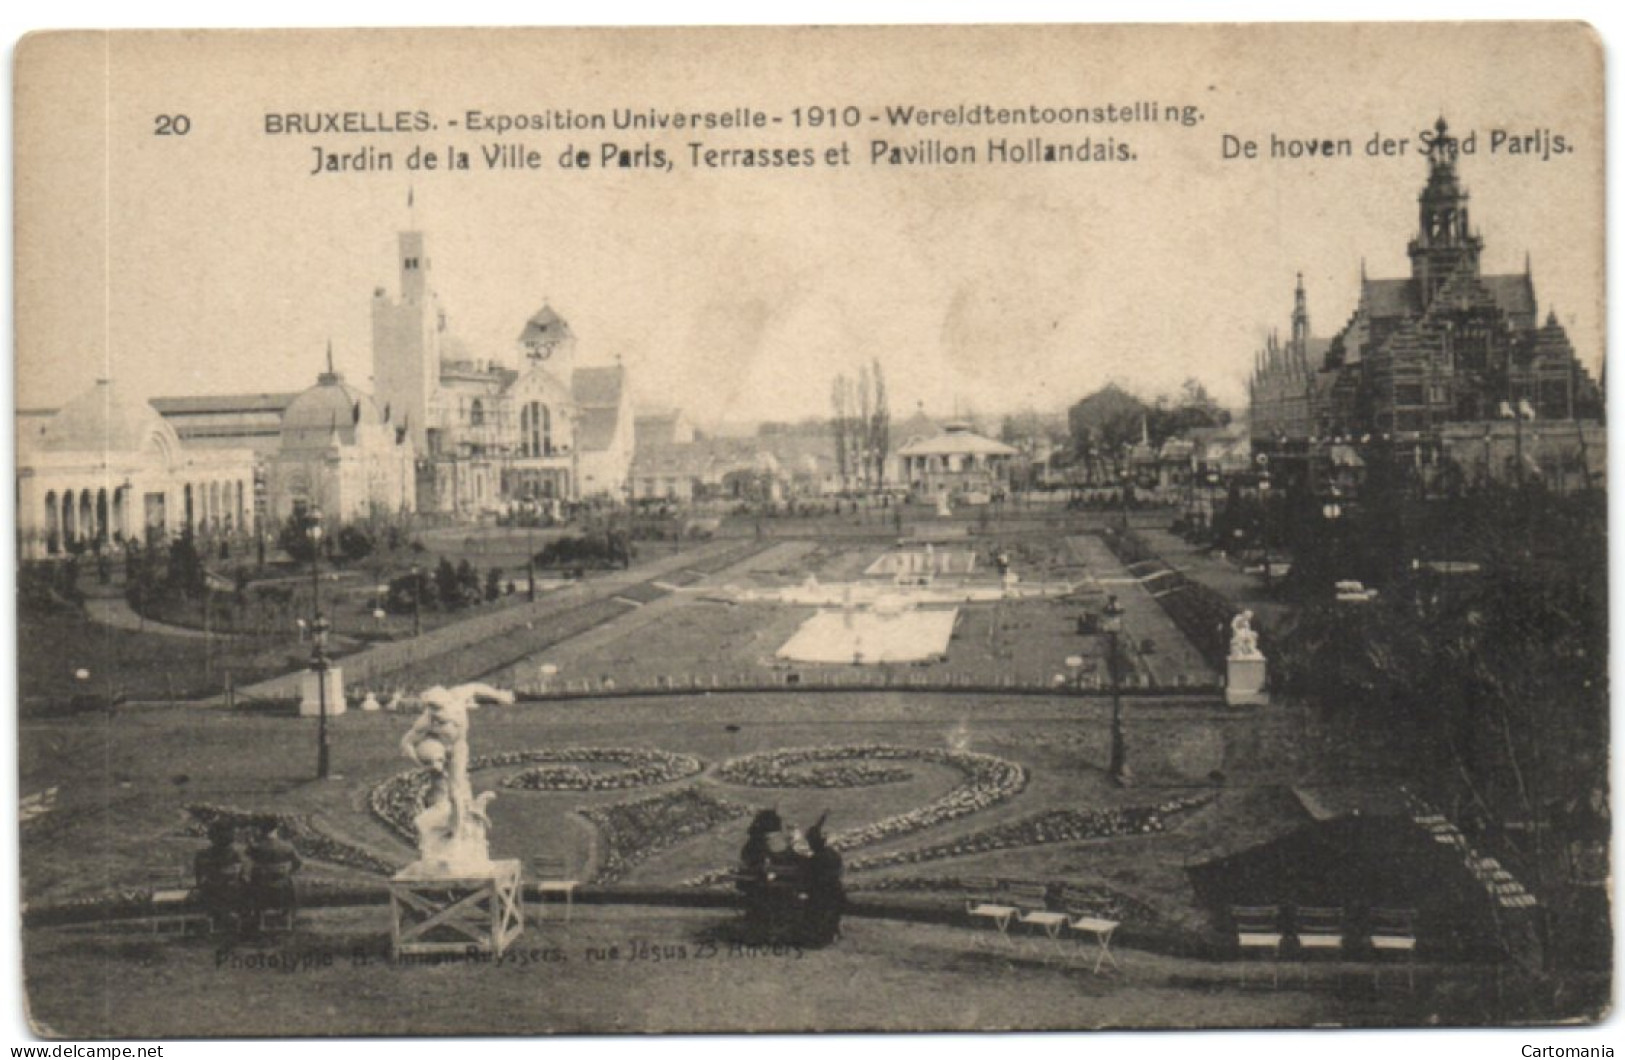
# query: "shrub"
294 539
355 543
408 591
599 551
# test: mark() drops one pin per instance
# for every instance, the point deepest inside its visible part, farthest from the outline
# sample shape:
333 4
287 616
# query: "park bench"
1319 930
1258 931
175 906
553 878
1393 936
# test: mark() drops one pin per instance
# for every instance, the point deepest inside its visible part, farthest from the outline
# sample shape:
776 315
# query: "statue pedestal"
463 911
310 703
1244 683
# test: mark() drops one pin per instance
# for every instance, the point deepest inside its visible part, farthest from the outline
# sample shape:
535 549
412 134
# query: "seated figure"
218 872
272 863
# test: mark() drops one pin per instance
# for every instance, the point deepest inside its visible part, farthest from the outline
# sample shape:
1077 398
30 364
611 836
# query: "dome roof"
331 406
104 419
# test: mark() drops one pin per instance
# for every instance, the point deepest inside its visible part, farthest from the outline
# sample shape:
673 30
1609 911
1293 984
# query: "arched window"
53 531
536 429
476 414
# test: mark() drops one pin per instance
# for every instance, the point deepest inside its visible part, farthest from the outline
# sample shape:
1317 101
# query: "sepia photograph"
787 529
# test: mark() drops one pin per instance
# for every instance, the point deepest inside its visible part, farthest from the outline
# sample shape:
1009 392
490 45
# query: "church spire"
1444 238
1300 321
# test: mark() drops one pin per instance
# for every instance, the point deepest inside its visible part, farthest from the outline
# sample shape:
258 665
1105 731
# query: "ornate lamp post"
1111 624
1124 477
318 634
1264 502
417 601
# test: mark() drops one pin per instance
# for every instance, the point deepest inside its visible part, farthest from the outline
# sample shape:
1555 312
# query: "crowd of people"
791 881
237 882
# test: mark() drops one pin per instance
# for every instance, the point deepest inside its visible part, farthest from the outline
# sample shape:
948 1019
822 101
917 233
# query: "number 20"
171 125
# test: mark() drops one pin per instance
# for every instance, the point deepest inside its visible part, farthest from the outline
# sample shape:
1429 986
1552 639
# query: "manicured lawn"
600 974
124 780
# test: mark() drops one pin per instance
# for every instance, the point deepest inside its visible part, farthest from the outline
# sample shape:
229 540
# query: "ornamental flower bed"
988 782
640 768
398 800
1053 826
309 840
631 832
782 769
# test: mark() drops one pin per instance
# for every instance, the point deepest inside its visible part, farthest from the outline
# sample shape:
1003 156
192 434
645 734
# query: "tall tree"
880 427
861 426
839 422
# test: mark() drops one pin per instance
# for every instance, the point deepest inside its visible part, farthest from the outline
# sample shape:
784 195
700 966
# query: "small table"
998 913
1102 931
1051 922
459 911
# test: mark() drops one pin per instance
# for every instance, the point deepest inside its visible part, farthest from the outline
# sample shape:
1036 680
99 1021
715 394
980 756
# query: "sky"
215 262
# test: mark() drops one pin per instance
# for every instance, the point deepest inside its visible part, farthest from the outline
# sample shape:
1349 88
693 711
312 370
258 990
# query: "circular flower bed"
1053 826
639 768
808 768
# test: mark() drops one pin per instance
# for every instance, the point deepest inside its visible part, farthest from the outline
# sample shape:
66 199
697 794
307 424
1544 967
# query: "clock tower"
547 342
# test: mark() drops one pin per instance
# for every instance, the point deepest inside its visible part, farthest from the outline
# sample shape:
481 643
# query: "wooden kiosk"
459 911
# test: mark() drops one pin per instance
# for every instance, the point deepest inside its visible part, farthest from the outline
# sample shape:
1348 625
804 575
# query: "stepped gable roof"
598 387
105 419
330 408
1551 342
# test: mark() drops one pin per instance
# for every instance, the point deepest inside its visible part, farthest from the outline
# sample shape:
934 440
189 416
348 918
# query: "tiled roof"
597 387
595 429
206 403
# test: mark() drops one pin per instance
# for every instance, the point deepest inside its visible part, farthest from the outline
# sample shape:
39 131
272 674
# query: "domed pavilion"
340 453
106 468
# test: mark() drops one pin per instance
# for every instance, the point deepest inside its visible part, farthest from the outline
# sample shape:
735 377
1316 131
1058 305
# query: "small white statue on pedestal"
453 824
1243 639
1245 670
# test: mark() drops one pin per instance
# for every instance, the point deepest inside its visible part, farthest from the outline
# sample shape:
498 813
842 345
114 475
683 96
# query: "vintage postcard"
966 528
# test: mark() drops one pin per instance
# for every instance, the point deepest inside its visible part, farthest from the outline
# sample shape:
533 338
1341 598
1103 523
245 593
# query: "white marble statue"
453 824
1243 639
